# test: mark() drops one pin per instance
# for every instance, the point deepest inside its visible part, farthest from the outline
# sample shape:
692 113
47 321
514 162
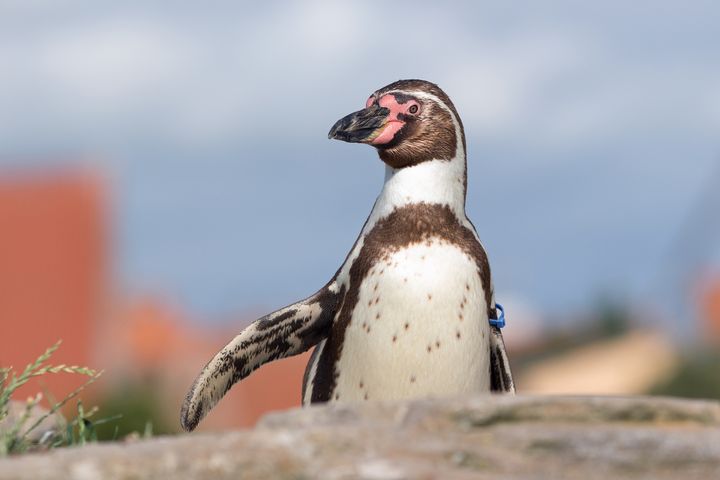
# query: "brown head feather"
430 136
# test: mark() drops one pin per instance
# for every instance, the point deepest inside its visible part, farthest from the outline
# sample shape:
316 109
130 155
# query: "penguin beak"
362 126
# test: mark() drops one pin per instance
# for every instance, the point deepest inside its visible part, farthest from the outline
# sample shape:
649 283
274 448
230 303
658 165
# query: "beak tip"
333 133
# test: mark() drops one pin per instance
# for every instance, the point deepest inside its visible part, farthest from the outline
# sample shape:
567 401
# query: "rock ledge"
478 437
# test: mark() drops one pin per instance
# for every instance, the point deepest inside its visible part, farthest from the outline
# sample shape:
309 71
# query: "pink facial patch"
388 132
394 124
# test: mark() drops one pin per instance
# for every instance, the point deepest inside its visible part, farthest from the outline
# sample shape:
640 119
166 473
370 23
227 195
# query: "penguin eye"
413 109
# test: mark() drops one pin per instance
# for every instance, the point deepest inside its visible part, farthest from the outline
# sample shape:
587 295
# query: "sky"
592 135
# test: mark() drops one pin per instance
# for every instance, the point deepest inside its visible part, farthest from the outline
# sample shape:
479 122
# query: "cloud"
498 83
111 63
198 77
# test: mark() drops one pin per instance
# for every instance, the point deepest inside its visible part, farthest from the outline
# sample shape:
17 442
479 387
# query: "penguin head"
408 122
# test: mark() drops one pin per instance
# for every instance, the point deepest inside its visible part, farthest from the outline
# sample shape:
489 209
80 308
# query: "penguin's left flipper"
501 380
289 331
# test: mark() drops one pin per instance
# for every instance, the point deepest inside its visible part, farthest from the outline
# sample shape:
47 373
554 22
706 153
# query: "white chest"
419 328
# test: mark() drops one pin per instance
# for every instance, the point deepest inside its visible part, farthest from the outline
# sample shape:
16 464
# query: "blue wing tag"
500 321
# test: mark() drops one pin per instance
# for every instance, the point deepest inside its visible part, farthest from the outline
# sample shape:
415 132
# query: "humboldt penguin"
411 312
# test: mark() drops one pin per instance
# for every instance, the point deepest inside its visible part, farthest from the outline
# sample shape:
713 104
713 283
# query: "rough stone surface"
479 437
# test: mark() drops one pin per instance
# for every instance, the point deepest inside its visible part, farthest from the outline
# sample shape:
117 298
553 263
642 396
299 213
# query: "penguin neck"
438 182
434 182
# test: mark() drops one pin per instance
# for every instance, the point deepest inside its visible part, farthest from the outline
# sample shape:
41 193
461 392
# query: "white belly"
420 328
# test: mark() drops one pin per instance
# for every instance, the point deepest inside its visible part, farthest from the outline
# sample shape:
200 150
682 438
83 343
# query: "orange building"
52 269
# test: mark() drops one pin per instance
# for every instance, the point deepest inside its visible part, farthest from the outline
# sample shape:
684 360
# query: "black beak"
360 127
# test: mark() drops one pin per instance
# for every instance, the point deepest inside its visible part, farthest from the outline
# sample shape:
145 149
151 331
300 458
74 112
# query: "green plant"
82 430
15 437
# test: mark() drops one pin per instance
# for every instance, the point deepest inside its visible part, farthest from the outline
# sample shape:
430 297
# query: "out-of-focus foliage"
697 377
140 409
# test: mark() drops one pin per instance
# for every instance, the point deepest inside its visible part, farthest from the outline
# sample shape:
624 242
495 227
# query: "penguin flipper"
289 331
501 380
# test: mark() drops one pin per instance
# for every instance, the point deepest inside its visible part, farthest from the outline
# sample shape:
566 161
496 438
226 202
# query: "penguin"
411 312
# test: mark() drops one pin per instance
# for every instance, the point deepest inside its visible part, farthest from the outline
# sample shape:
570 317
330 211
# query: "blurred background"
166 178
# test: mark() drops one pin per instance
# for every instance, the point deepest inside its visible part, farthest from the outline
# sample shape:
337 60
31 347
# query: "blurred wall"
52 269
